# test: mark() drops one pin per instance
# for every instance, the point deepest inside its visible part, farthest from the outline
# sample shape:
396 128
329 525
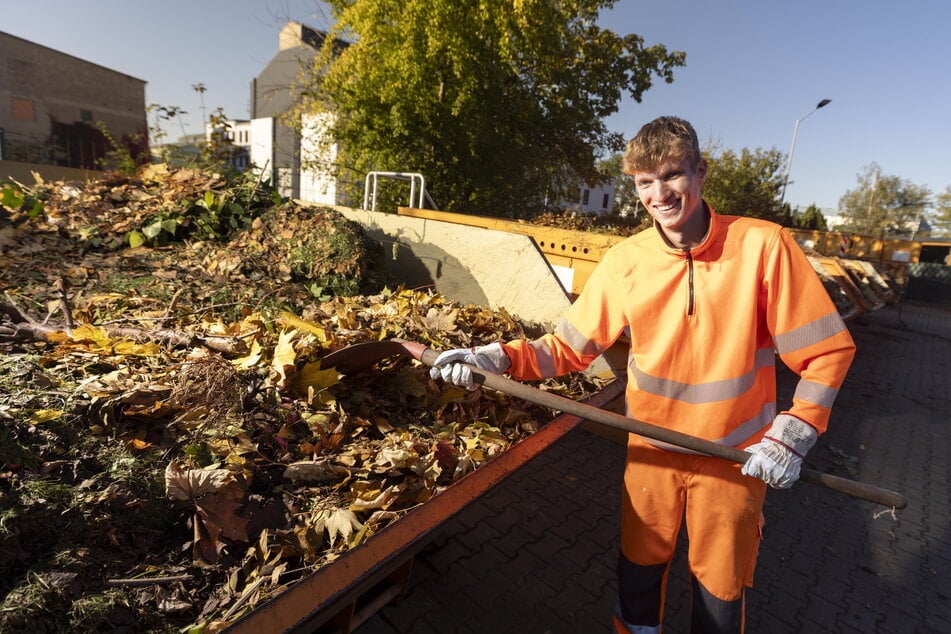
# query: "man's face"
671 194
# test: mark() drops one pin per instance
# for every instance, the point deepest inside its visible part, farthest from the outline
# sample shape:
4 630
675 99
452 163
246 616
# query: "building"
52 105
597 200
236 133
295 156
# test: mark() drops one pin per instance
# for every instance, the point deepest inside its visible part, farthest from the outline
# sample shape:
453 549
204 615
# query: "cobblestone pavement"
537 552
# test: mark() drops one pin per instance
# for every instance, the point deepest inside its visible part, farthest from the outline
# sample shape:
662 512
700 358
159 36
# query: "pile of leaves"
610 224
172 452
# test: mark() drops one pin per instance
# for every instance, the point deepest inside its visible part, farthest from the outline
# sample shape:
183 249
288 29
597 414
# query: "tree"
883 205
499 103
812 218
745 184
626 201
942 217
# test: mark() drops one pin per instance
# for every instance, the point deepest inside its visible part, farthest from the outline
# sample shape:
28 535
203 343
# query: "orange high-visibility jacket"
705 325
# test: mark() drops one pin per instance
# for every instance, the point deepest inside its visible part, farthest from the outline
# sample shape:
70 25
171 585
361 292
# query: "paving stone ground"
536 554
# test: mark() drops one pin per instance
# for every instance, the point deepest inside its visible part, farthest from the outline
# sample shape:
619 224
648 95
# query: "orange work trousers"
722 507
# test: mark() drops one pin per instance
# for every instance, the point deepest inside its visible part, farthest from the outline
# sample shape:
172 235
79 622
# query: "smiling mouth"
667 209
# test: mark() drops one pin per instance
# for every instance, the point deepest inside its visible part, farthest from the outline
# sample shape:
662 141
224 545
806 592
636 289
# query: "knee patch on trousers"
714 615
640 591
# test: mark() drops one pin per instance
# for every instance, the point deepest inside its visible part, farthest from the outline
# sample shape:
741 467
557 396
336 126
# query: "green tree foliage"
499 103
942 217
811 218
747 183
883 205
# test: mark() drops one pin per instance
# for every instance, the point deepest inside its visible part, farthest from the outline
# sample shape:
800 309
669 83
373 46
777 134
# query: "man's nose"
658 190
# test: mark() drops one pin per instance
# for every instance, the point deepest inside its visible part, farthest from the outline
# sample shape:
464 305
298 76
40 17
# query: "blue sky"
753 68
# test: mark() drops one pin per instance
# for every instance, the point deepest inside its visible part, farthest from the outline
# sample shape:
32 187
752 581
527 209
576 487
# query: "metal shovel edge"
361 356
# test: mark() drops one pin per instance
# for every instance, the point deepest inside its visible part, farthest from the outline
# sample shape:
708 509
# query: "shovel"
363 355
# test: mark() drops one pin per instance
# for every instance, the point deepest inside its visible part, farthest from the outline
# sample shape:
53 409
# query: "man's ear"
702 170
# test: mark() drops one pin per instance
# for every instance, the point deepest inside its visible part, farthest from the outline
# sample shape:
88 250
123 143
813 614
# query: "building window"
85 115
585 194
22 109
604 202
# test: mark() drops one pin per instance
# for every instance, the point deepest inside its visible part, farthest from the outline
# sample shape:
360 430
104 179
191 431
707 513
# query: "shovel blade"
362 356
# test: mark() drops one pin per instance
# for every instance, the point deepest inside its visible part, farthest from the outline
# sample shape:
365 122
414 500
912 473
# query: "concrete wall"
23 172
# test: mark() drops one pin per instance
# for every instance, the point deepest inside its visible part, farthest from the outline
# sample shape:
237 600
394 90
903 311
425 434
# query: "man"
706 301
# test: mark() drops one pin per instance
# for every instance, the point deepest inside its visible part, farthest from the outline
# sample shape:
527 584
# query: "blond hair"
665 139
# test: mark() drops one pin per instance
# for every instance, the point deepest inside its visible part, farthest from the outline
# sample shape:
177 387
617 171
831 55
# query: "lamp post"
782 197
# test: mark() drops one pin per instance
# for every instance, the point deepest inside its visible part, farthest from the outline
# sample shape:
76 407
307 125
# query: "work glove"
777 458
448 365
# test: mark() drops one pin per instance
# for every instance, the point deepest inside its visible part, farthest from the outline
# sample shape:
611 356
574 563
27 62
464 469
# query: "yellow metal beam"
579 251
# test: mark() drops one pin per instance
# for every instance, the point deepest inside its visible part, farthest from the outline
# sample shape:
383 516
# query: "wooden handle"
500 383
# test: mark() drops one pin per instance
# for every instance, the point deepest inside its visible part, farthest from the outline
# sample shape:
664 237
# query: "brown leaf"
190 484
322 470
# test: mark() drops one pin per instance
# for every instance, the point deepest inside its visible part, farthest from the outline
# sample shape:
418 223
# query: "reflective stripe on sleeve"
544 357
578 342
710 392
816 393
808 334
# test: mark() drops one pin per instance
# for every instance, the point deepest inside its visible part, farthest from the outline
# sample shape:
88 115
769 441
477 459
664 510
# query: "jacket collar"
712 232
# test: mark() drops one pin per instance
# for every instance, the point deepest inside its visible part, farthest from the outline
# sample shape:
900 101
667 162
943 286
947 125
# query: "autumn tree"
883 205
745 183
942 217
499 103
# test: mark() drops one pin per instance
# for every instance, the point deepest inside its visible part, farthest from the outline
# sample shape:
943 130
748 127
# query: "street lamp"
782 197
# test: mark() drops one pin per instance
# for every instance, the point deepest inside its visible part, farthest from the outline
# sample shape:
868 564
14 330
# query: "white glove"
777 458
448 365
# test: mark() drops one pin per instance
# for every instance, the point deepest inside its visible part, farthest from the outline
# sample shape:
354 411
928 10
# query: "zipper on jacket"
689 282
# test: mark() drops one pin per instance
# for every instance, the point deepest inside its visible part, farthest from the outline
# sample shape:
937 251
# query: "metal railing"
417 194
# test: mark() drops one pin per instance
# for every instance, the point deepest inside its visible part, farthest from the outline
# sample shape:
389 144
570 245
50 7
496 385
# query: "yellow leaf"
45 416
133 348
284 354
289 319
157 172
311 376
136 239
253 358
91 334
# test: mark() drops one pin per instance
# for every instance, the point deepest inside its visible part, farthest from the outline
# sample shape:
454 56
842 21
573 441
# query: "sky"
753 68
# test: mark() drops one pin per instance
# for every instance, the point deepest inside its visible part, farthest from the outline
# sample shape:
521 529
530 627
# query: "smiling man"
706 302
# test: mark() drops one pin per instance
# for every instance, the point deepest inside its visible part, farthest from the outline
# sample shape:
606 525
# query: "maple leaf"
440 320
336 522
313 381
